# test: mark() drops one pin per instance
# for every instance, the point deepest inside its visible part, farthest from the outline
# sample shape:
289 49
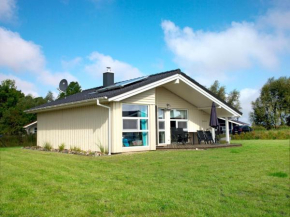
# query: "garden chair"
209 137
201 137
174 135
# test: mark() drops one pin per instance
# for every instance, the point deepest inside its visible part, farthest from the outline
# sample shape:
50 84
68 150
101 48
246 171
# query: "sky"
239 43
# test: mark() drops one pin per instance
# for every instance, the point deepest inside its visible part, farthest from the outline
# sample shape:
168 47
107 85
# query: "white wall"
84 127
197 119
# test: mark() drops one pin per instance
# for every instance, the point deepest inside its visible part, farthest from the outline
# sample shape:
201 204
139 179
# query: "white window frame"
138 124
134 130
180 120
161 130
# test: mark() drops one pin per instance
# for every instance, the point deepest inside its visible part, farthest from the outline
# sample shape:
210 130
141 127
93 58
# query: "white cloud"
7 10
213 54
53 79
247 95
121 69
25 86
23 56
276 18
18 54
68 64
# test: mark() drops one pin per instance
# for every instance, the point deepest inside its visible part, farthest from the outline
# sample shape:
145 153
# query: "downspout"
109 124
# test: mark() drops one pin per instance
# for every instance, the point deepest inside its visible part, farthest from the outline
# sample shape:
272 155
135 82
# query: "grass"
252 180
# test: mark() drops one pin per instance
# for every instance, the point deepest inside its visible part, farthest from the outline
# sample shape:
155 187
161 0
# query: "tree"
233 97
49 97
9 95
272 108
72 88
218 90
13 104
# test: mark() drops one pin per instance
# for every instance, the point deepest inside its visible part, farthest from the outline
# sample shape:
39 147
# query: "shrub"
258 128
47 146
75 148
101 147
61 147
283 127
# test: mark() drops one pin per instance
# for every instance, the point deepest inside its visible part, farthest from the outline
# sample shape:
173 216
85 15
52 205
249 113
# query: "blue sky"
239 43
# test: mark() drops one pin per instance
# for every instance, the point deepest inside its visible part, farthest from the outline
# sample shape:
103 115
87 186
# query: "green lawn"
252 180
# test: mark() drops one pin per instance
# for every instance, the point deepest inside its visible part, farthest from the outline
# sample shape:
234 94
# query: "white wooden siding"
116 127
84 127
197 119
147 98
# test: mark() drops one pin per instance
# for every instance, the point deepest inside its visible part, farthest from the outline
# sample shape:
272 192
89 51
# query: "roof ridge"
94 88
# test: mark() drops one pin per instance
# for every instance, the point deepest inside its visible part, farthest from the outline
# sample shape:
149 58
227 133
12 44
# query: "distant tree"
72 88
9 95
272 108
49 97
13 104
218 90
233 97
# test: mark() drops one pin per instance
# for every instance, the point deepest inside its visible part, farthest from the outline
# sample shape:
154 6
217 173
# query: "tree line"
14 102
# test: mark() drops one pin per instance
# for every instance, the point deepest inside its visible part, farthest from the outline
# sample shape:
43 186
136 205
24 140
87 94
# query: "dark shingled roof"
240 122
93 94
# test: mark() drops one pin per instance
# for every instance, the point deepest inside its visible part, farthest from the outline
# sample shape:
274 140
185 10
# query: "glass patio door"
161 126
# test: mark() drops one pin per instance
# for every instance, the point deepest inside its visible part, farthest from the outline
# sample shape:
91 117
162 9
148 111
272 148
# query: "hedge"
269 134
18 140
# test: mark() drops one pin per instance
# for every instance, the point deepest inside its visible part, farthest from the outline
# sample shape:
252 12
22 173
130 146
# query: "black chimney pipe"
108 77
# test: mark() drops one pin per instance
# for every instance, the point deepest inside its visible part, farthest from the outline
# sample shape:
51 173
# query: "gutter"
109 125
61 105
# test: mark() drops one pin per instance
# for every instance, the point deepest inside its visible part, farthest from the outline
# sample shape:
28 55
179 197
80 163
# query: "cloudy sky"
240 43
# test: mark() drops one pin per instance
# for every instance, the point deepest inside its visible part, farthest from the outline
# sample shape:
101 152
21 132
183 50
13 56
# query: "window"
178 114
135 110
161 114
35 130
135 125
178 119
161 126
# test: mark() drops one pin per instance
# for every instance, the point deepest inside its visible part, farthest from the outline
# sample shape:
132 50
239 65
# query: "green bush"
268 134
258 128
61 147
283 127
75 148
47 146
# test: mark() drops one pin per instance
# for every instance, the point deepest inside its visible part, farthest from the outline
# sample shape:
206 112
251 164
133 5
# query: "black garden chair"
201 137
209 137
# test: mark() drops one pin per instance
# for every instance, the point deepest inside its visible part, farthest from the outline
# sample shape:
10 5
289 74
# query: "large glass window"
178 119
135 125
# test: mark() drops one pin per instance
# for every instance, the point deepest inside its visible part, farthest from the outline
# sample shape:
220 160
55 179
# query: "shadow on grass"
279 174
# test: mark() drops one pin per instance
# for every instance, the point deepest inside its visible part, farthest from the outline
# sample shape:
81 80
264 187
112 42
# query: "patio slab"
196 146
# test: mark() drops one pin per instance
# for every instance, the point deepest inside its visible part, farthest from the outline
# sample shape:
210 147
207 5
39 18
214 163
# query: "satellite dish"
63 85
